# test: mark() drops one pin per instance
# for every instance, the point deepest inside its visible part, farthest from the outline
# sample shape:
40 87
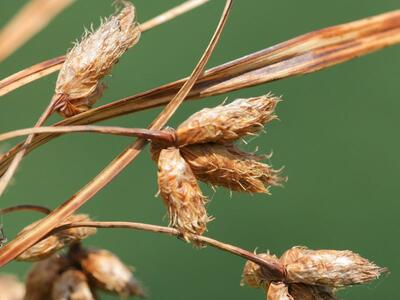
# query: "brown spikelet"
311 292
253 275
181 194
279 291
53 243
225 165
42 276
72 285
226 123
107 272
11 288
328 267
78 85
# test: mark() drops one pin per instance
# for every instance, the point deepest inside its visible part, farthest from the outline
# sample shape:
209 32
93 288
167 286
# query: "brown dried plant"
202 148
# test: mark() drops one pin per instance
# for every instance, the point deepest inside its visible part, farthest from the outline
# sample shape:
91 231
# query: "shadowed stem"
25 241
160 136
275 270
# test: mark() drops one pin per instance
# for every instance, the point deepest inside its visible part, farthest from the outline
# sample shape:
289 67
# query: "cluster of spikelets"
79 81
204 150
77 274
311 274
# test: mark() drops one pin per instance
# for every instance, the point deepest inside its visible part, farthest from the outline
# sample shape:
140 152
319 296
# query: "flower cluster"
79 274
204 150
78 85
311 274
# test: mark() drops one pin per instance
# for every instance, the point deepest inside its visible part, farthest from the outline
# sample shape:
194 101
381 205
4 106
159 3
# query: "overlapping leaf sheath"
79 81
181 193
312 274
55 242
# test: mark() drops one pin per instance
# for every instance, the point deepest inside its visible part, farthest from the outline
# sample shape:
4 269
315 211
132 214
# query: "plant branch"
24 241
275 269
161 136
304 54
49 66
25 207
32 18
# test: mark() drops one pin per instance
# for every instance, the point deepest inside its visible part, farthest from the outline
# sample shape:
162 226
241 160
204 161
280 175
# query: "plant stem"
275 270
25 207
161 136
24 241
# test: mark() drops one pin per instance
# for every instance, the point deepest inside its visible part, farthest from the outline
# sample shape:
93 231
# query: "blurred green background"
336 139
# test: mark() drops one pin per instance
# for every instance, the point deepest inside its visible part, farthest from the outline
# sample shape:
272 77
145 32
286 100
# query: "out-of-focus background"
337 138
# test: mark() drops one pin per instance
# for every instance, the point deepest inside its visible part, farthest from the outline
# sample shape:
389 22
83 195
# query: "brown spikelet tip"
181 194
328 267
72 284
11 288
225 165
253 274
226 123
109 273
55 242
78 85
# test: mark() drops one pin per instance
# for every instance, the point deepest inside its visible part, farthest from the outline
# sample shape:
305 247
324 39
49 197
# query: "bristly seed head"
181 194
107 272
78 85
226 123
328 267
253 274
57 241
225 165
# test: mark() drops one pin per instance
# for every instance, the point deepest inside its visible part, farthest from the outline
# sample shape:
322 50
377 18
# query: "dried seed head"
226 123
42 276
108 273
181 194
11 288
279 291
78 84
311 292
328 267
225 165
72 285
254 275
55 242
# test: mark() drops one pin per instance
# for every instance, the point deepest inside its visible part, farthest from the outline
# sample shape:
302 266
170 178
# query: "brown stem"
24 241
49 66
273 268
25 207
160 136
304 54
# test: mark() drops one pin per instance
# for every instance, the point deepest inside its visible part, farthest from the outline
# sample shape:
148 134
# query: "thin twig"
25 207
275 269
24 241
32 18
49 66
162 136
300 55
